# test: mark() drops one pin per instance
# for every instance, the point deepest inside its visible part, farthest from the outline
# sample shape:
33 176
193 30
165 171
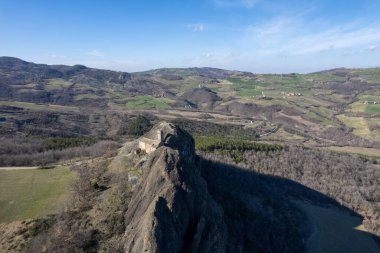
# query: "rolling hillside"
339 107
294 153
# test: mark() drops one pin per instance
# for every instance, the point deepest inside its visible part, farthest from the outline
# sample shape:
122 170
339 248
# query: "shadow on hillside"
262 210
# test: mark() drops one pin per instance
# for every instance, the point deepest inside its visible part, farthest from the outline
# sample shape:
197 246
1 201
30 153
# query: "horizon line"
193 67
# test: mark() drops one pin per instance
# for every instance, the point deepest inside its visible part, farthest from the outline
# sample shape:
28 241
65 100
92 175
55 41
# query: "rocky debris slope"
171 209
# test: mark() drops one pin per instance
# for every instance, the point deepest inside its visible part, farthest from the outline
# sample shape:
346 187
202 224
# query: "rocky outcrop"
171 209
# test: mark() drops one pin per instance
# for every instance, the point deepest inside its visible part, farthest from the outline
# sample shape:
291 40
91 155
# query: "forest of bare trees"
34 153
351 180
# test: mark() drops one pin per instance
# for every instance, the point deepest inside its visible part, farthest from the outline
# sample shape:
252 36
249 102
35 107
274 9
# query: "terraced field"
361 125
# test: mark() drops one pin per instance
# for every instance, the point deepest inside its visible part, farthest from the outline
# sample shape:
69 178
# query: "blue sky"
261 36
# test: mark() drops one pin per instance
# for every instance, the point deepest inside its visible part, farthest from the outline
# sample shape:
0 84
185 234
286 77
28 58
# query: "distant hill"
328 107
20 72
206 71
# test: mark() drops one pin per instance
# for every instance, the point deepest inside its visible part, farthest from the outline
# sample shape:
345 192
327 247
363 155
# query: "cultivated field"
361 126
357 150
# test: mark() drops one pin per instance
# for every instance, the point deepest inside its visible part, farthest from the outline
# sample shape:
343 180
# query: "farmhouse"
149 145
370 102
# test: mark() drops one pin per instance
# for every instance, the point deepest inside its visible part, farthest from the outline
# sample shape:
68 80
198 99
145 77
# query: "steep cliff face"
171 209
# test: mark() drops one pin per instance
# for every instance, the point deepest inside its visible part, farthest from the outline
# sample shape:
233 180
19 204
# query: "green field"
374 109
366 104
370 74
243 88
358 107
86 96
54 84
32 193
361 125
146 102
247 93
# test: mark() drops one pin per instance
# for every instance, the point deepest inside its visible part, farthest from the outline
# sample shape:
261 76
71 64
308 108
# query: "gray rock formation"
171 210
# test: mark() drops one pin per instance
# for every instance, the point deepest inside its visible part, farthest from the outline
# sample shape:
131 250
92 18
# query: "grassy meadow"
145 102
33 193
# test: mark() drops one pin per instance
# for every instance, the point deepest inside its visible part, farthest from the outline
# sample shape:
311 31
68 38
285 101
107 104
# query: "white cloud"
291 36
275 28
96 53
196 27
235 3
373 47
337 38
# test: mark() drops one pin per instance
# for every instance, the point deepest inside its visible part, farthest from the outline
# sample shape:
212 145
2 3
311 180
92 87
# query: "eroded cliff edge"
171 209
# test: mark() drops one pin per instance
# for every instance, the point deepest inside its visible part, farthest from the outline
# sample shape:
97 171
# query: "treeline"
21 145
212 143
202 128
232 147
31 145
352 181
30 158
68 142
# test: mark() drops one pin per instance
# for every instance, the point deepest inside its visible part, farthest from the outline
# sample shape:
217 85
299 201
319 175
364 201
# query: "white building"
149 145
